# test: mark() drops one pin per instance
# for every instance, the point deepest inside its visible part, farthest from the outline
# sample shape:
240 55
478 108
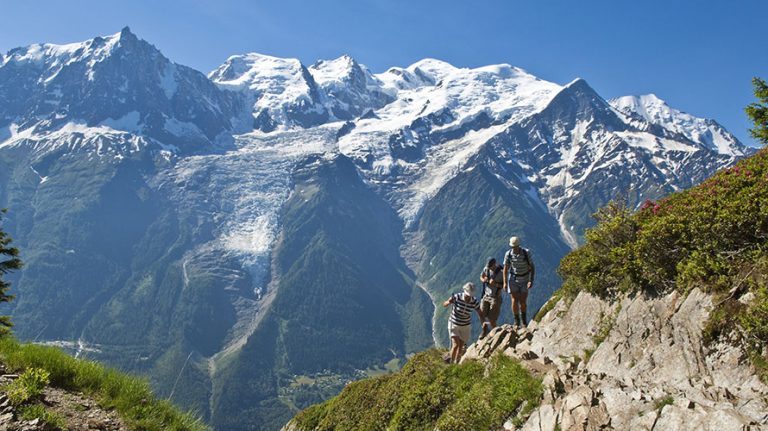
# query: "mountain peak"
126 35
247 70
578 84
655 110
432 69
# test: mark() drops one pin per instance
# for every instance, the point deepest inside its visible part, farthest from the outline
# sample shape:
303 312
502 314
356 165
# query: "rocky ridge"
636 363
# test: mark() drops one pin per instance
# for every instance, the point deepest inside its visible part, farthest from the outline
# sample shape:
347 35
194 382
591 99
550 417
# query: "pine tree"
9 261
758 111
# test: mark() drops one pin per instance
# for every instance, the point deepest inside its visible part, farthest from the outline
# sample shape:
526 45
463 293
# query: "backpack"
491 275
525 255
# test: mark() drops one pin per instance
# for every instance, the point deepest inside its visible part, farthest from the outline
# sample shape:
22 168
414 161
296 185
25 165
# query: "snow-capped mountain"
117 82
699 130
257 224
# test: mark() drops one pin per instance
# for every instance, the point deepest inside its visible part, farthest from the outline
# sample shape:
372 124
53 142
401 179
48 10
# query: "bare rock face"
638 363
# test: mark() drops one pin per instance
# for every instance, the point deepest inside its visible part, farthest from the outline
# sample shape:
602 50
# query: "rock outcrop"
637 363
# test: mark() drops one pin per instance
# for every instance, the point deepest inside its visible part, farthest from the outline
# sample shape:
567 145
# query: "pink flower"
647 204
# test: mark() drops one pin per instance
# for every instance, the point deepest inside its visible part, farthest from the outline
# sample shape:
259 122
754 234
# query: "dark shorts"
491 307
518 284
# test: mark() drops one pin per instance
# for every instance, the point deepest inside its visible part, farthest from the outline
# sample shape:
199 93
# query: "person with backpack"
492 278
460 321
519 273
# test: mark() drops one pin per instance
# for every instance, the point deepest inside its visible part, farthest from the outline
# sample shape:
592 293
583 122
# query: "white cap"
469 288
514 241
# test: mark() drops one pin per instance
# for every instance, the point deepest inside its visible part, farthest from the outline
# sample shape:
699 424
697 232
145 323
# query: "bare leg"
515 308
523 299
456 346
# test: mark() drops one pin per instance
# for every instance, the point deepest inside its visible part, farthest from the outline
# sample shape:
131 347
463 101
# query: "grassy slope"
428 394
713 236
130 396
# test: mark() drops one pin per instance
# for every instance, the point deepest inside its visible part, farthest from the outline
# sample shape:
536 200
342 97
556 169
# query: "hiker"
518 278
492 278
460 321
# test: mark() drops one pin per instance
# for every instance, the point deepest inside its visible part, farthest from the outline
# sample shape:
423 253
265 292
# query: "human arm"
448 302
532 271
479 312
480 316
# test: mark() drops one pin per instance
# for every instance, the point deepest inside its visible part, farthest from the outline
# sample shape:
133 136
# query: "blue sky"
697 55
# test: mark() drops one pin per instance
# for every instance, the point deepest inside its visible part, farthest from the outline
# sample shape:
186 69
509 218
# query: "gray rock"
653 350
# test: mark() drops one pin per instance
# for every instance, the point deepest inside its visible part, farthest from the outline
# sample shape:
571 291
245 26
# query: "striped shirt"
462 309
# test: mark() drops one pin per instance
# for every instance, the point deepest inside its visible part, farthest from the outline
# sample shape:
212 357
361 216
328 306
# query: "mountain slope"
332 220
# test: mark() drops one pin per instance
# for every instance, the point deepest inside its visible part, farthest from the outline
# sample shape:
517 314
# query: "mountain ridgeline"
255 238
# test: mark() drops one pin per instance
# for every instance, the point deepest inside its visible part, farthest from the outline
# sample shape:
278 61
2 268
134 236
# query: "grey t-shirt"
520 264
497 276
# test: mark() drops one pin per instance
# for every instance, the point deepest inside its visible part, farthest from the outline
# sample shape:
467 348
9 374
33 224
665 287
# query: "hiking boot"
517 321
524 319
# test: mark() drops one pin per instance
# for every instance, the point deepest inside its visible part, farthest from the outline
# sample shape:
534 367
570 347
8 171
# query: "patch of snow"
128 122
42 178
566 233
168 80
181 128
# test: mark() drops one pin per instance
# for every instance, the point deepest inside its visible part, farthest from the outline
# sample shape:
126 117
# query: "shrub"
28 387
699 237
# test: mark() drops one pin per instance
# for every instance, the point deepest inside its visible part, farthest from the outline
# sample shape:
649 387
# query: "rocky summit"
636 363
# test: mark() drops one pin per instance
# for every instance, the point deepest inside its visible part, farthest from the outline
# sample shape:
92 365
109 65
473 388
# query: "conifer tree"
758 111
9 261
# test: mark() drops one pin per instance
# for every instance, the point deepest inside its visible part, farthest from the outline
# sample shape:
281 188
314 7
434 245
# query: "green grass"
549 305
428 394
52 420
130 396
663 402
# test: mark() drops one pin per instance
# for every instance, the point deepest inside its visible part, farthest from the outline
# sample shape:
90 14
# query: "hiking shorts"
463 332
518 284
491 307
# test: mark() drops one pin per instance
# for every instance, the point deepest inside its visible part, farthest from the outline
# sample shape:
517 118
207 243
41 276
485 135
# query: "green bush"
28 387
699 237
